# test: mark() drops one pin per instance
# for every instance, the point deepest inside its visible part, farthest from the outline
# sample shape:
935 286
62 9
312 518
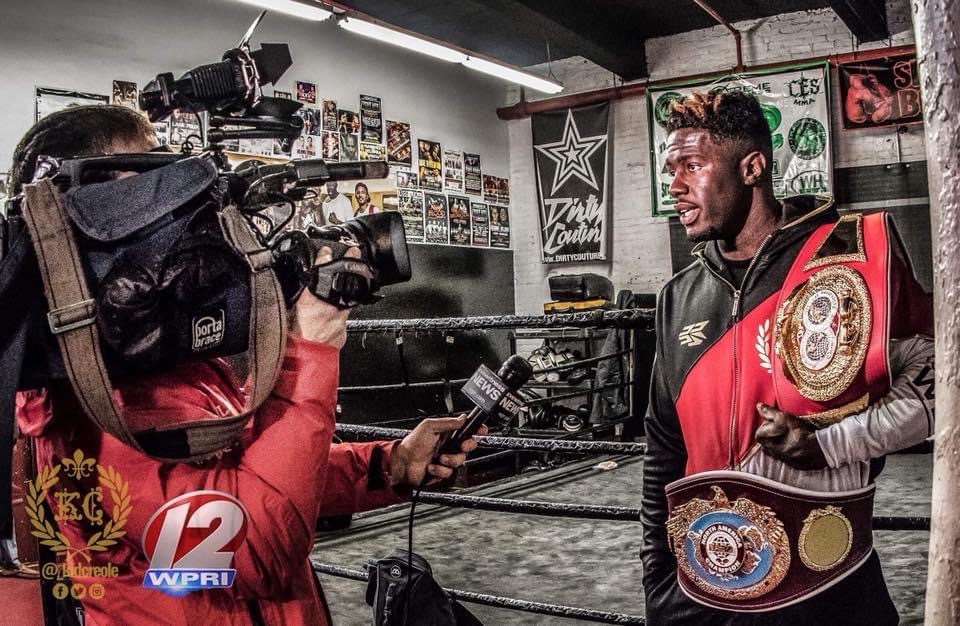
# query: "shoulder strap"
72 312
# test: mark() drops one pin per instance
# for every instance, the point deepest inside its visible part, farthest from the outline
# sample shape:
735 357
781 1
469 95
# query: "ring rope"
541 608
575 364
624 318
577 394
506 443
397 386
606 513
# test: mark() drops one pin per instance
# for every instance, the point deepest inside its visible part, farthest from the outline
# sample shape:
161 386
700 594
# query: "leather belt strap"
72 312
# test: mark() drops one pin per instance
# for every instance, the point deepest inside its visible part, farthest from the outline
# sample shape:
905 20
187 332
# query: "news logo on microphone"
191 540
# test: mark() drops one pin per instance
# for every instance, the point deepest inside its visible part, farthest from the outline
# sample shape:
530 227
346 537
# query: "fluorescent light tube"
512 75
397 38
291 7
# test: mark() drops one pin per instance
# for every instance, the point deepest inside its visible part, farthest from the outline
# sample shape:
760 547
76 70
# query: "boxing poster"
125 94
407 179
453 171
399 150
371 151
371 120
882 92
796 103
329 117
499 227
459 220
429 165
481 223
570 150
472 181
49 100
437 227
306 92
410 205
330 147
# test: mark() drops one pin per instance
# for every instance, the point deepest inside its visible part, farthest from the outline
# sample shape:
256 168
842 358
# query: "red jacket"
286 473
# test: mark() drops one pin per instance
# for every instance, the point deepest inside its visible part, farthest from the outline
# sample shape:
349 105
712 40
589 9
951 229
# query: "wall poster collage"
438 195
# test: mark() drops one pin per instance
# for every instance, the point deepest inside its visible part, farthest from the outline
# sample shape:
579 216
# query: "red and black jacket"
707 381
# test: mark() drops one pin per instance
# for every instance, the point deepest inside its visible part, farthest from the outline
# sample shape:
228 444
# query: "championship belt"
746 543
831 323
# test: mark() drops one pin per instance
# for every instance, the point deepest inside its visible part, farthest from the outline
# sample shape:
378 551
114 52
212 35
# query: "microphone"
315 172
491 393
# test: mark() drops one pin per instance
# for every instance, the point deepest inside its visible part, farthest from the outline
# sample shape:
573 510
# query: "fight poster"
399 149
437 227
371 151
407 179
481 223
796 104
329 117
570 150
499 227
410 205
430 165
371 120
881 92
330 146
453 171
472 181
459 220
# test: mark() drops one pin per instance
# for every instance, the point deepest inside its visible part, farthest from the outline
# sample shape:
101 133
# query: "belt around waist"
747 543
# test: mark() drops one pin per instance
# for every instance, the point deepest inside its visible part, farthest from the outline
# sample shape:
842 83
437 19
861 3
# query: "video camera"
161 258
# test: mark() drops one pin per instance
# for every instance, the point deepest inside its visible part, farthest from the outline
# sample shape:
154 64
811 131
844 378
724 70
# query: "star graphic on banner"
572 155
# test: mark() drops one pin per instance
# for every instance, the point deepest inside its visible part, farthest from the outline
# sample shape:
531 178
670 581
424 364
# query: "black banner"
881 92
570 154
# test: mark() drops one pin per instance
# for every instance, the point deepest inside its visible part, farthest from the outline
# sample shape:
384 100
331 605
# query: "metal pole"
936 25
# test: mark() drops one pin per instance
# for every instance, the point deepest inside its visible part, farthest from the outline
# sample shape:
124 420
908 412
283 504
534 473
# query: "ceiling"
611 33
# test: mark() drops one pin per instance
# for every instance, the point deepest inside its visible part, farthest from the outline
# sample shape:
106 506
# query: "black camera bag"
141 273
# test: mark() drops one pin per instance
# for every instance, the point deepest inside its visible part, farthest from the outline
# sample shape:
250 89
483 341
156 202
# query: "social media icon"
191 540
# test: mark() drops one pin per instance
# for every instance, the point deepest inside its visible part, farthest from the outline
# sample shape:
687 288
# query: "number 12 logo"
190 542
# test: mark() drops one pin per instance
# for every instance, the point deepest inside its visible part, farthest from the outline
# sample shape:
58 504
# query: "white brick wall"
640 245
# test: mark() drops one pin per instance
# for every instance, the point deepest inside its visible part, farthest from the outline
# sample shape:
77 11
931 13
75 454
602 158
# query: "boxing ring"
631 320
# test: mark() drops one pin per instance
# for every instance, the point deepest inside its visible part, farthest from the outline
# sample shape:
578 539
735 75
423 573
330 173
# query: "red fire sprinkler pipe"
736 33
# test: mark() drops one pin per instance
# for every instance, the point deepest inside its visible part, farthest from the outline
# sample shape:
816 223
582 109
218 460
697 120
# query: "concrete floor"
580 563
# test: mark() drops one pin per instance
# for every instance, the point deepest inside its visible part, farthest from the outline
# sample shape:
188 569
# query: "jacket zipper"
735 314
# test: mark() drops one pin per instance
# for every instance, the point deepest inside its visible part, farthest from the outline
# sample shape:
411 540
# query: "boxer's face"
712 200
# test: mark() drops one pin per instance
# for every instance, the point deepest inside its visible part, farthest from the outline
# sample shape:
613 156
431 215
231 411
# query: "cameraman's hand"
413 456
316 320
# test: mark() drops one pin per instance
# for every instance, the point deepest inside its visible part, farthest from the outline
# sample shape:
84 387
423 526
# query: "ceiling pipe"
736 33
526 109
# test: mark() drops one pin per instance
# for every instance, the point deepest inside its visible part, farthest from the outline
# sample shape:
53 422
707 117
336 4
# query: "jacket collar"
803 215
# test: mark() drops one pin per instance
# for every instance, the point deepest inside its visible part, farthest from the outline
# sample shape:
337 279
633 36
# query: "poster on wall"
184 125
330 146
410 205
472 181
311 124
881 92
429 165
125 94
399 150
305 147
328 116
481 223
499 227
489 188
286 95
306 92
459 220
162 132
570 149
49 100
796 103
437 228
348 121
453 170
407 179
371 151
371 119
349 150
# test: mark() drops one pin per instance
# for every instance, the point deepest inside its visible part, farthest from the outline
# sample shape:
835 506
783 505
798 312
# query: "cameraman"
285 470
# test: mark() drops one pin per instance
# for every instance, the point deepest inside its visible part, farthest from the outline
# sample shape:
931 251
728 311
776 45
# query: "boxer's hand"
789 439
413 456
319 321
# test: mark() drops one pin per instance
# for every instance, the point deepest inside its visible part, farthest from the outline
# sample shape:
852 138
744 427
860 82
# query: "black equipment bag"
389 589
565 287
